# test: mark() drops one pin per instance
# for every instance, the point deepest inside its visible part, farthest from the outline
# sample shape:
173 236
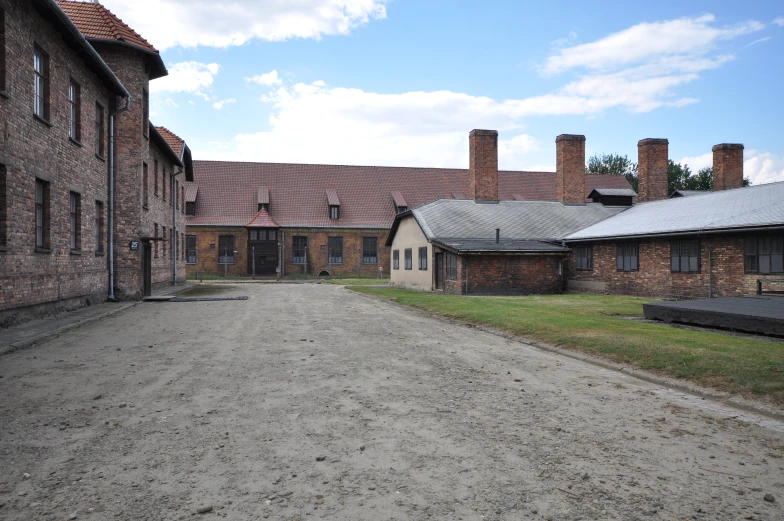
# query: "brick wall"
506 275
30 149
483 165
652 167
727 166
726 277
570 168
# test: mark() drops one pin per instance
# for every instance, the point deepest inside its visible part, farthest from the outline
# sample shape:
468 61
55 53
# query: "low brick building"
75 150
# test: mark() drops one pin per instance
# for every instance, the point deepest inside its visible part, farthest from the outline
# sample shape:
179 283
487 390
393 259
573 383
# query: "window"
74 111
299 250
685 256
369 250
176 193
334 212
584 257
764 254
98 226
41 214
626 258
75 213
190 209
395 259
99 130
401 209
263 206
183 198
156 242
183 246
262 235
145 113
163 246
335 245
451 266
409 260
41 85
190 249
145 187
3 201
423 258
226 249
2 50
164 182
155 177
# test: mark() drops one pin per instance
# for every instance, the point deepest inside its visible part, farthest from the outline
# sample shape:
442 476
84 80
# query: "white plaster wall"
409 235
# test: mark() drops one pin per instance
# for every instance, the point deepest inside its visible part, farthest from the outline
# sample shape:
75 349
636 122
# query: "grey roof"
689 193
447 219
505 245
617 192
738 209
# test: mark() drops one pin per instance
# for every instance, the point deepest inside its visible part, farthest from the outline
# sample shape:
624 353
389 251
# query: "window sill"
42 250
76 252
190 264
102 158
584 270
3 249
370 263
4 94
227 263
42 120
145 207
75 141
100 253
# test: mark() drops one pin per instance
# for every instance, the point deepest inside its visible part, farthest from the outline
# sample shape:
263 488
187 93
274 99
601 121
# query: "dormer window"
333 204
400 204
190 209
263 199
264 206
401 209
334 212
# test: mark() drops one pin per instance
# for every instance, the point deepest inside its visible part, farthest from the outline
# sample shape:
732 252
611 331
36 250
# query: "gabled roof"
73 37
397 197
263 195
751 208
228 191
262 220
98 24
163 145
332 197
448 220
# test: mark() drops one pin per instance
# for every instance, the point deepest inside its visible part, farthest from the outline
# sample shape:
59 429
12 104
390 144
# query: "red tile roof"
262 220
228 191
174 141
96 21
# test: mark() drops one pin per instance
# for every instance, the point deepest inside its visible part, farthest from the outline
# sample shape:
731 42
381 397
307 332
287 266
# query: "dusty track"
166 408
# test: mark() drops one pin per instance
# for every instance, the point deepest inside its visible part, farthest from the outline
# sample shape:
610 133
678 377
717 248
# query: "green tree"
613 164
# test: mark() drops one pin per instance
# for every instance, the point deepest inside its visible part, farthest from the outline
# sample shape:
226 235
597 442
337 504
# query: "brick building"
75 140
329 219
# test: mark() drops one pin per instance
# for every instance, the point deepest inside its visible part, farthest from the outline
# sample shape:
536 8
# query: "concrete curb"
28 342
726 399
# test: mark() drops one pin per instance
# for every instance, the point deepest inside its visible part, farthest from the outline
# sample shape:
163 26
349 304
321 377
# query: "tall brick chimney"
727 166
483 165
570 169
652 166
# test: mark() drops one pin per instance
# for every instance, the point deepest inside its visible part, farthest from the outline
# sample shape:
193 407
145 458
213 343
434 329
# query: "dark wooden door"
262 252
147 268
439 271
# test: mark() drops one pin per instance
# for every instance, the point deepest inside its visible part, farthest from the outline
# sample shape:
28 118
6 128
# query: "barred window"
75 204
626 256
370 250
451 266
299 250
74 111
423 258
334 212
335 245
41 214
226 249
190 249
98 226
145 112
396 259
145 183
41 84
3 206
99 130
685 256
584 257
764 254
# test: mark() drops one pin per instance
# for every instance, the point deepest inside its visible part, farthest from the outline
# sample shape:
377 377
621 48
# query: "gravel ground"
309 401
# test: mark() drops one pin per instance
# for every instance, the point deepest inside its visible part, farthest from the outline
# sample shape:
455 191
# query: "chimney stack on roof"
483 165
570 169
727 166
652 167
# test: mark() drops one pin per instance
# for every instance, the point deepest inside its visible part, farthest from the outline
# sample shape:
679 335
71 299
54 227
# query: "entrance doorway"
439 271
262 251
146 268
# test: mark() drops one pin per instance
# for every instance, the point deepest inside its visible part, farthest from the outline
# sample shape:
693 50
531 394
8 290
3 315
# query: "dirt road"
309 401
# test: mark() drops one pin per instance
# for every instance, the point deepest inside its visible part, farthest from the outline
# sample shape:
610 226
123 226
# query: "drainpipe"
465 263
175 196
112 116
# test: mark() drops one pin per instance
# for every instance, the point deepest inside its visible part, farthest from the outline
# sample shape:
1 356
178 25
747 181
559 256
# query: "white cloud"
779 21
268 79
170 103
219 104
759 167
759 40
190 77
190 23
697 163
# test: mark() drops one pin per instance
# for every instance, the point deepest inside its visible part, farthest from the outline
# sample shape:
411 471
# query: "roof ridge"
107 17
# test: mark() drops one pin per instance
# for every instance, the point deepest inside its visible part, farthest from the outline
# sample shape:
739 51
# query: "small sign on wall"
134 245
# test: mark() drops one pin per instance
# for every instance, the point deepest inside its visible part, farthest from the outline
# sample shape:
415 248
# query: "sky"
403 82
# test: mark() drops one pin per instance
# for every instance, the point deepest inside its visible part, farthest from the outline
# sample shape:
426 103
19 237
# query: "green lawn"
598 325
